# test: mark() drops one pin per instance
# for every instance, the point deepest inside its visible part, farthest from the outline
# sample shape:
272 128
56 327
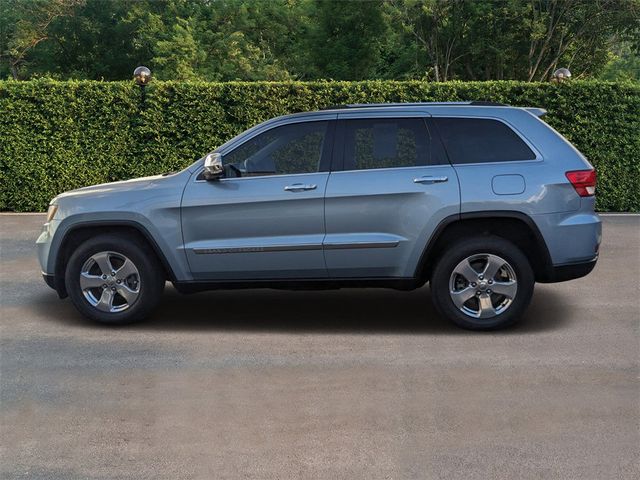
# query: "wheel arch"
514 226
82 231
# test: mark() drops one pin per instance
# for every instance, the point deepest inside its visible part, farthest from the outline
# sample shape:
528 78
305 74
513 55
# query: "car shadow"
355 311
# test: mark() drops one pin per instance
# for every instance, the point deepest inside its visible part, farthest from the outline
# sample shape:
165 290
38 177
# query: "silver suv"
481 200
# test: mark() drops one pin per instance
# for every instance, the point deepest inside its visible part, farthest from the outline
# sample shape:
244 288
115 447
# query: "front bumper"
49 279
57 285
43 245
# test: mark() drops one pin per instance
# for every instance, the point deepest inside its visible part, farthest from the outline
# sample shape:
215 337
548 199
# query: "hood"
136 184
132 196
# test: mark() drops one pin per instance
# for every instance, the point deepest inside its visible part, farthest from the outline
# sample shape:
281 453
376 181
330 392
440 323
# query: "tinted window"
294 148
386 143
476 140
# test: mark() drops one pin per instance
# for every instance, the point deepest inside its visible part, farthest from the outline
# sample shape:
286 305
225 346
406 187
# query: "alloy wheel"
483 286
110 281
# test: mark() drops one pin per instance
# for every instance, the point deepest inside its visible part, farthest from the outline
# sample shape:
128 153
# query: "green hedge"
55 136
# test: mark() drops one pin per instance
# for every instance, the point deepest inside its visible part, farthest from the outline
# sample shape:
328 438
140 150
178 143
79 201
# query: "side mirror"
213 169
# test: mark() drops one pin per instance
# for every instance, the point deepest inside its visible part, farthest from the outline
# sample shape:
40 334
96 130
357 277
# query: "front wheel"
482 283
112 279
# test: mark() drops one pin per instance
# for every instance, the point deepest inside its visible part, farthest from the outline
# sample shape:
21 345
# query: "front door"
265 219
391 188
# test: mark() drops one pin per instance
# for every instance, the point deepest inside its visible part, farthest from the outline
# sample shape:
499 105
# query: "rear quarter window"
480 140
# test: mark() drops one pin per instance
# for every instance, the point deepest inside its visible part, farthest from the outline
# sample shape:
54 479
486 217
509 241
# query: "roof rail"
486 103
477 103
401 104
335 107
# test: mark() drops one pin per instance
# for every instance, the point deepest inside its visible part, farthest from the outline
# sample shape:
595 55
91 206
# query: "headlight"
51 212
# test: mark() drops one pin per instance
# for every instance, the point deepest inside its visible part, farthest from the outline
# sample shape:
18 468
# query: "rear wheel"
482 283
112 279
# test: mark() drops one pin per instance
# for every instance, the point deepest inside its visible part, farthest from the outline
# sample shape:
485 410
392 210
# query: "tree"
179 56
347 39
26 24
575 32
623 64
248 40
317 39
495 39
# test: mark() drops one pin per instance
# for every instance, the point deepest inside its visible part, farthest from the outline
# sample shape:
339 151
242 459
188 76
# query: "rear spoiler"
538 112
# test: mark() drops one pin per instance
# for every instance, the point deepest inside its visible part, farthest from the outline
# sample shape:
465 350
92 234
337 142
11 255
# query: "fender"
545 266
62 235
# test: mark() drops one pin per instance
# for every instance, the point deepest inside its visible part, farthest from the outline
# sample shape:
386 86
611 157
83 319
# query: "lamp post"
560 75
142 77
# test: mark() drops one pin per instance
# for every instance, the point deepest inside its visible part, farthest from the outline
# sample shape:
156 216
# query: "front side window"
289 149
386 143
479 140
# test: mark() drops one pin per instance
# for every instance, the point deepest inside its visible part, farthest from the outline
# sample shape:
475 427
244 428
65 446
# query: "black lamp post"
142 77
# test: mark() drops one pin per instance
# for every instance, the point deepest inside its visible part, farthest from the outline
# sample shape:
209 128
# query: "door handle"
299 187
429 179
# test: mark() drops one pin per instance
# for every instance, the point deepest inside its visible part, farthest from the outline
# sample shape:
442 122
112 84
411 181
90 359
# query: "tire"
484 309
130 295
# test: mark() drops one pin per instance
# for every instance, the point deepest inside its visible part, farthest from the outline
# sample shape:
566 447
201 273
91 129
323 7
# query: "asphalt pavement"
335 384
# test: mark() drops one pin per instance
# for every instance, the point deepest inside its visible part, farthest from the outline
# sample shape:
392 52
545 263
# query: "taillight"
584 181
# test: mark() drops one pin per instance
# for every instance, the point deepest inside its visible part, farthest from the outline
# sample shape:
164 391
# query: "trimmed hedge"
56 136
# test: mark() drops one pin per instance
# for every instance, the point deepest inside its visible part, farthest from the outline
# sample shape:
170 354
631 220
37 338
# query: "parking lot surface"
333 384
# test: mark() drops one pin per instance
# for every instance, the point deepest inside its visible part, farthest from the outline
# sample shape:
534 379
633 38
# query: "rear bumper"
562 273
571 237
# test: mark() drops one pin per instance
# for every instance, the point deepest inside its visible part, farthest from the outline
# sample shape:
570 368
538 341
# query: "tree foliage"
514 39
346 40
222 40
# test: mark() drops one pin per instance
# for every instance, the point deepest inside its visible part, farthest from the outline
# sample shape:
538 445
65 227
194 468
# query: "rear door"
390 186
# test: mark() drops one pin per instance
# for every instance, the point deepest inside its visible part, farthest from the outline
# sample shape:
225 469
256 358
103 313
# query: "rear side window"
386 143
478 140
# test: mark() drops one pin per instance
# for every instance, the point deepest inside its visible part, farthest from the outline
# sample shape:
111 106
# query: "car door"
391 187
265 218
